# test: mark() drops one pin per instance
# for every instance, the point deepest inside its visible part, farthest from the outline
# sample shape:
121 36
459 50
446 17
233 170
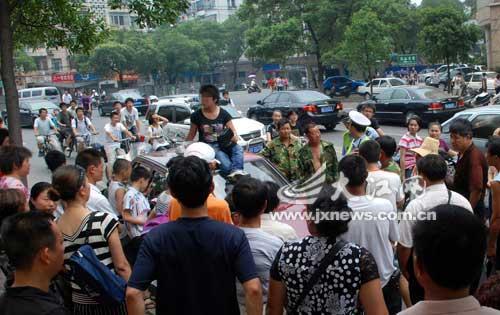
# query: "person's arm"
127 132
119 195
192 132
495 219
121 264
372 299
268 136
403 257
135 301
230 125
276 297
380 132
475 182
128 217
35 128
138 124
91 126
253 296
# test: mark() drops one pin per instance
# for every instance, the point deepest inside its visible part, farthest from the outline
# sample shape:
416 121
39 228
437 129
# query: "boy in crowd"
44 127
388 147
55 159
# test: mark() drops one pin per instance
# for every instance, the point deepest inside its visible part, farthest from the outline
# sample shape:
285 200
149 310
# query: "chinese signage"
407 60
128 77
63 77
86 77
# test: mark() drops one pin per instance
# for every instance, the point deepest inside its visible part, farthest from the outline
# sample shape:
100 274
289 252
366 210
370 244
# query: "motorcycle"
254 88
476 98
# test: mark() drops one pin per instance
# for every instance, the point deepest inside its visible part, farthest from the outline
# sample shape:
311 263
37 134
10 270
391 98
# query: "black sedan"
28 111
106 107
399 104
311 106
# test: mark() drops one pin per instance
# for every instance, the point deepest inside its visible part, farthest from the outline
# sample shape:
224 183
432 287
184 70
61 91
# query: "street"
242 99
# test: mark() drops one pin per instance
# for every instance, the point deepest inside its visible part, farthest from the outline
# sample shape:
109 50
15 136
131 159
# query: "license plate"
327 109
450 105
256 148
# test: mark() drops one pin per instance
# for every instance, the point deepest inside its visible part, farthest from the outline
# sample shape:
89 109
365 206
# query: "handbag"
317 274
225 139
93 277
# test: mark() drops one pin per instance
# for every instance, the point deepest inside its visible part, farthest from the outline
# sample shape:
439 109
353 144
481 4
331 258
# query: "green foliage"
452 4
364 49
23 61
233 30
152 13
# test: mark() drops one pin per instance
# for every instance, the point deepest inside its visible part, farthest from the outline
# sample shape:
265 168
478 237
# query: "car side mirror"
260 103
187 121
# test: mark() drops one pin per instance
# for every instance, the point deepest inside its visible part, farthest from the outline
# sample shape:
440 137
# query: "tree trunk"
449 74
120 80
8 75
317 53
235 73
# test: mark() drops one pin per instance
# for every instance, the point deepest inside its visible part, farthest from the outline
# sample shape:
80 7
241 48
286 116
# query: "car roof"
481 72
171 101
39 101
493 109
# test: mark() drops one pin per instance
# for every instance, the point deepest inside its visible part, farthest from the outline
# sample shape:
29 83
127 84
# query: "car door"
179 127
483 127
375 84
168 112
284 103
382 101
265 113
25 114
399 105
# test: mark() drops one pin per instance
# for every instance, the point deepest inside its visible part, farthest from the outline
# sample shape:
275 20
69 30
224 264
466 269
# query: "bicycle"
47 145
88 142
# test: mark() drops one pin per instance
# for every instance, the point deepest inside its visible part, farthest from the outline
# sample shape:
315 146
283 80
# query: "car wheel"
367 96
427 81
409 115
101 111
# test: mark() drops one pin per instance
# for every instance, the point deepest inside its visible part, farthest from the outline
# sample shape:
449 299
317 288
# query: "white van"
48 93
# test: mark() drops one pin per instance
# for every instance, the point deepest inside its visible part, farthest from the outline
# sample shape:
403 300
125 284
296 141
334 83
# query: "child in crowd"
14 167
117 188
272 129
43 198
388 147
409 141
435 132
135 210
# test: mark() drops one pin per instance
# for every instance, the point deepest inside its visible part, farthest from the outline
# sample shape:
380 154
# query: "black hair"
433 166
79 109
282 123
230 203
225 92
461 127
4 133
24 235
358 127
151 120
290 113
54 159
113 114
354 168
388 145
63 104
12 201
140 172
494 146
87 158
43 109
324 204
185 173
369 105
434 123
210 90
273 201
277 111
116 102
451 248
121 165
416 119
72 102
308 127
370 151
67 181
39 188
129 99
249 196
12 156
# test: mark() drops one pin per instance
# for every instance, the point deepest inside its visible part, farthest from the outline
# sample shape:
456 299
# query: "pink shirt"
410 142
7 182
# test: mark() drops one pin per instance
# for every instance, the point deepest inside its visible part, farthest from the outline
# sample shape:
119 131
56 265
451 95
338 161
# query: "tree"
445 36
362 49
24 63
234 43
62 23
112 58
453 4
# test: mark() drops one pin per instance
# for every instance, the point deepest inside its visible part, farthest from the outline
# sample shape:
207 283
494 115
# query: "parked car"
28 111
139 101
256 166
484 121
443 77
379 85
473 80
252 133
399 104
341 86
190 99
48 93
425 74
311 106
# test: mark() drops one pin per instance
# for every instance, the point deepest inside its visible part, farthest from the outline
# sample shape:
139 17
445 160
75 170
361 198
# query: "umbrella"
252 76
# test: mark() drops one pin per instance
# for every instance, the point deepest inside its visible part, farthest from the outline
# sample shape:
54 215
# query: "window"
242 74
167 112
271 98
375 83
57 64
384 84
26 94
446 127
51 92
284 98
395 82
484 125
400 95
476 78
36 93
181 114
385 95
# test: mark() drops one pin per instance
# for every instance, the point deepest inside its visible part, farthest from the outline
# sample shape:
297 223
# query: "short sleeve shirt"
210 129
128 119
272 130
116 131
409 142
9 182
374 123
195 262
44 126
82 126
139 207
64 118
471 172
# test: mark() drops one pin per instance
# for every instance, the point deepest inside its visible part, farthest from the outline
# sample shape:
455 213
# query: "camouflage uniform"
328 156
285 159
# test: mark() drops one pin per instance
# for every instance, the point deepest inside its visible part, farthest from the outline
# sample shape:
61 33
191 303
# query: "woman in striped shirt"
409 141
78 226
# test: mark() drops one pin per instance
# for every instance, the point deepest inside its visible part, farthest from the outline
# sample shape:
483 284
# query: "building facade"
488 17
213 10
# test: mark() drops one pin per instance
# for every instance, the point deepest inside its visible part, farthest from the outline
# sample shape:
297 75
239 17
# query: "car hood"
245 125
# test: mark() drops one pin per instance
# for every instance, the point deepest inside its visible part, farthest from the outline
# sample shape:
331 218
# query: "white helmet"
201 150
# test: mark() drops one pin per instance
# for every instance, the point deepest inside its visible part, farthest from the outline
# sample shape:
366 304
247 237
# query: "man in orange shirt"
218 209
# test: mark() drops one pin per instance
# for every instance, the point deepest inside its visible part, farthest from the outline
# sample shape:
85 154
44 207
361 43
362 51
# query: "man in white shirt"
91 161
432 168
114 133
44 127
448 255
82 127
380 184
375 229
67 98
130 117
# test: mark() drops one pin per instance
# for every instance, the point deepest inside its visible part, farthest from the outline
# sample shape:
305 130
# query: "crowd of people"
185 251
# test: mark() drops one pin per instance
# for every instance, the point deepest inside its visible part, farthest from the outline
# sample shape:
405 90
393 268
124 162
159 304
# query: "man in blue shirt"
194 259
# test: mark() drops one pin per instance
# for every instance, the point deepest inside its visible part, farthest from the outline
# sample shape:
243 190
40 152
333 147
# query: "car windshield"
35 106
310 96
232 111
430 93
258 169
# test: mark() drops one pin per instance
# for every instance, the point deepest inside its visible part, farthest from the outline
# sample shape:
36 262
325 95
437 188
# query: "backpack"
84 119
96 279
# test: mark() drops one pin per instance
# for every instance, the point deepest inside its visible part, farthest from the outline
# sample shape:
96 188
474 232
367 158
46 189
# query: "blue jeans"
230 160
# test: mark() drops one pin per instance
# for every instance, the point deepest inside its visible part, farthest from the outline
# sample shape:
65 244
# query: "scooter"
476 98
254 88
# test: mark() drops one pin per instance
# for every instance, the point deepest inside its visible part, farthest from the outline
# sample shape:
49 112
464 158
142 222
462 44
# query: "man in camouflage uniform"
283 151
316 153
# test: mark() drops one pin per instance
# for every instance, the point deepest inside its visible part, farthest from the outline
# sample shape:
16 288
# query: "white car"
379 85
252 134
473 80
